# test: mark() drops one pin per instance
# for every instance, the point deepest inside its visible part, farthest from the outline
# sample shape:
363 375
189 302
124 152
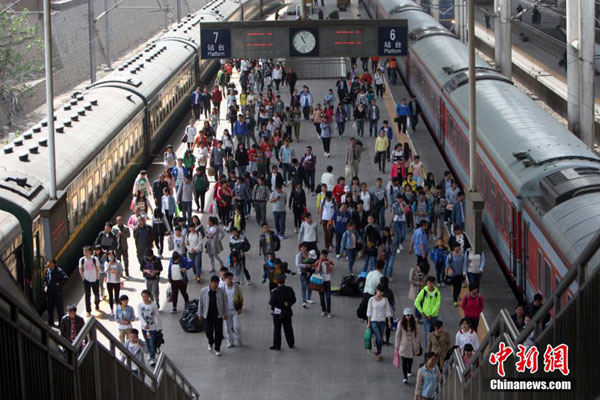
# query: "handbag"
184 138
316 279
420 352
396 358
367 339
169 294
316 288
376 158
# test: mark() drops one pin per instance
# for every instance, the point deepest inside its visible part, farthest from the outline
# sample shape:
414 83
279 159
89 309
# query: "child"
125 316
137 348
268 267
239 219
324 266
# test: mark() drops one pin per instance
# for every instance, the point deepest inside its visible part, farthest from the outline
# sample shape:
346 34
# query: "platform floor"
329 361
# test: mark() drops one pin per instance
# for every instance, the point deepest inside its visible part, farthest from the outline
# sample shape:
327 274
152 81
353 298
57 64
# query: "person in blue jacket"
458 211
402 114
177 274
438 256
240 131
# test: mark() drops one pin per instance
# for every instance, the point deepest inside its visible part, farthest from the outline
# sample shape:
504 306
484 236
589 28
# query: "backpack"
245 245
349 286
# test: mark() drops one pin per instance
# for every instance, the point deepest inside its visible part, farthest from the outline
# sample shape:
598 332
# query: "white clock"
304 41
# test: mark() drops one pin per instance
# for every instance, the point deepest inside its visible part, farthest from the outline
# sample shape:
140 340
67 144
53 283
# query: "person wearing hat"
212 307
407 342
54 279
379 316
281 302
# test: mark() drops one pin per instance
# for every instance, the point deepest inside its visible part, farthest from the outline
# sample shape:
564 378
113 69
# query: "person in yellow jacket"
381 145
428 303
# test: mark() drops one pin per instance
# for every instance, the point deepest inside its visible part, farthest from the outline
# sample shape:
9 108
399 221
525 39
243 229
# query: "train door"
443 122
525 259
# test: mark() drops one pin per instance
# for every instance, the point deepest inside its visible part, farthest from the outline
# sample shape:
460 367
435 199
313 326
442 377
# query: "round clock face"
304 42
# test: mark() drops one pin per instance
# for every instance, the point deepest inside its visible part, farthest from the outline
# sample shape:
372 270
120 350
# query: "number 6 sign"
392 41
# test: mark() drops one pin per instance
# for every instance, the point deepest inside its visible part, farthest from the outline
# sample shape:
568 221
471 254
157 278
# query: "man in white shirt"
328 178
89 270
233 323
373 278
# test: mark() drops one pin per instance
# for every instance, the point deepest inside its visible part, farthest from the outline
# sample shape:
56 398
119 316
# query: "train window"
488 183
539 265
97 182
500 212
547 280
82 194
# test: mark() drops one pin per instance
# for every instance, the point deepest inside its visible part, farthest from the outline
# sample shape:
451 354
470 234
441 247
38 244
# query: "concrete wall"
128 28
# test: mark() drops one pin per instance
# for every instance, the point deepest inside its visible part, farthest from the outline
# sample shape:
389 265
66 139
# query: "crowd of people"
254 165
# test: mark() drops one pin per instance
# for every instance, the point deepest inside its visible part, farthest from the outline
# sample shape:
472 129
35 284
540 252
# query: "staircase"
38 363
575 322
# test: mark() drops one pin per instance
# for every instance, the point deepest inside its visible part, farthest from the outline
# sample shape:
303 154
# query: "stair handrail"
504 327
86 342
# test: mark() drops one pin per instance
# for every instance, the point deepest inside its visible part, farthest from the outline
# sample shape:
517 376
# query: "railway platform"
329 361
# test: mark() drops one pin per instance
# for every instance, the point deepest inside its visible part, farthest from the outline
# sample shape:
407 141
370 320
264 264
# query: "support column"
92 40
107 35
503 37
460 17
573 66
506 38
435 9
586 55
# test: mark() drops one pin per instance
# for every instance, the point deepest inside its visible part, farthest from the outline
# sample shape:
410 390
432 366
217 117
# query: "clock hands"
302 37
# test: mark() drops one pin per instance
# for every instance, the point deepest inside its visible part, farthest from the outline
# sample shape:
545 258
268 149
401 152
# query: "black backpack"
276 242
349 286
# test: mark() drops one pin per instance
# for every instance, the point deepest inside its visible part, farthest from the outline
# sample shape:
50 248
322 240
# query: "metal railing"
575 323
38 363
319 68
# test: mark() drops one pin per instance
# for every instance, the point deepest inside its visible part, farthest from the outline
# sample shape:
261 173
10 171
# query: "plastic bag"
396 358
367 339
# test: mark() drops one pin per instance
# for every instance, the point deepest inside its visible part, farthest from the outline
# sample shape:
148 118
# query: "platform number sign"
392 40
215 43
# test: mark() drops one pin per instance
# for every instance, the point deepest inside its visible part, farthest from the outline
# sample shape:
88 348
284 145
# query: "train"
104 136
539 182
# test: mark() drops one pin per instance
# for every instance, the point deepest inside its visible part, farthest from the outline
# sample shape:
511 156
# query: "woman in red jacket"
472 305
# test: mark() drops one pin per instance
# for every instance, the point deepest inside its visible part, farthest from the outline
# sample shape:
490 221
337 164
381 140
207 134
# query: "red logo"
528 359
556 358
500 356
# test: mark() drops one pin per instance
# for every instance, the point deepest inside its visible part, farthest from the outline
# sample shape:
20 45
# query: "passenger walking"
106 238
308 234
309 162
326 211
427 378
305 262
212 307
372 240
439 342
455 269
281 301
381 147
197 103
339 221
324 266
279 198
260 196
124 316
389 252
151 268
169 158
419 242
475 266
417 277
438 207
297 204
353 158
415 111
54 280
438 256
114 271
472 305
402 114
306 102
144 238
407 343
122 233
466 335
214 245
71 324
373 278
379 316
150 323
326 134
160 227
235 303
193 244
399 220
350 246
177 275
201 186
185 197
428 303
89 270
136 347
190 134
373 113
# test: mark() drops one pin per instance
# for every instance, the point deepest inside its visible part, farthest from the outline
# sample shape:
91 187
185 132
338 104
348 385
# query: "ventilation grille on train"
569 183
